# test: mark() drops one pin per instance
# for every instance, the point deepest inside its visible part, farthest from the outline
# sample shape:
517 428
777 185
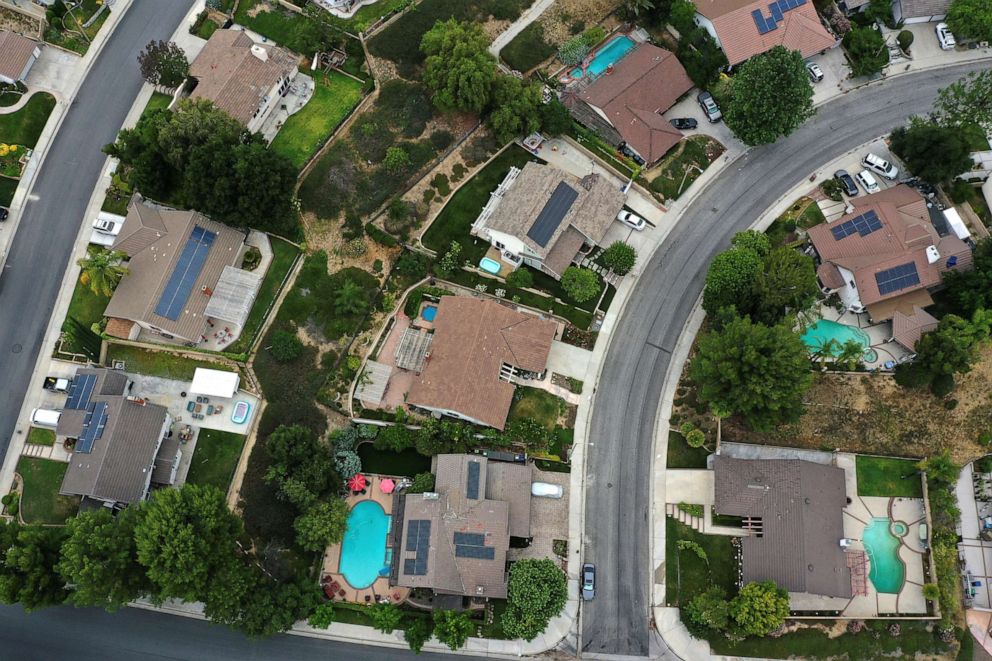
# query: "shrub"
985 438
457 171
379 236
440 182
441 140
286 347
832 189
695 439
580 284
354 248
942 385
573 51
911 375
520 279
905 40
429 195
620 257
951 404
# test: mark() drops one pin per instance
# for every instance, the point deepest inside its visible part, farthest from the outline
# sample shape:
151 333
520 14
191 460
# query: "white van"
45 418
867 182
880 165
545 490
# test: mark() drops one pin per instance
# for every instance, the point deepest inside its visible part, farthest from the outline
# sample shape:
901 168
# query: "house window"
499 245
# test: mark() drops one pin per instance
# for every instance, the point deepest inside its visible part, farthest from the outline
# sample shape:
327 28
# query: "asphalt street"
85 634
36 262
620 458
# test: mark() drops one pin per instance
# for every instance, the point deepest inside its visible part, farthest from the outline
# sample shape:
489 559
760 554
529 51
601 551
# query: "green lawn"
41 502
39 436
7 189
884 476
304 132
680 455
24 126
215 458
157 363
409 462
206 29
687 570
527 49
455 220
283 255
536 404
282 26
157 101
86 307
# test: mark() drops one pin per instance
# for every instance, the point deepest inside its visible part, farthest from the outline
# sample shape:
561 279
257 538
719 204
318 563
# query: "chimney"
260 52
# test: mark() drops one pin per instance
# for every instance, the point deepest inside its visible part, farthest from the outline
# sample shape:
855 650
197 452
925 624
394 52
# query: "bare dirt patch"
558 19
18 22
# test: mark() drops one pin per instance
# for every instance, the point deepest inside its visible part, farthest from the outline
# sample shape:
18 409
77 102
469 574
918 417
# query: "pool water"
363 551
824 330
899 529
429 312
887 573
489 265
609 54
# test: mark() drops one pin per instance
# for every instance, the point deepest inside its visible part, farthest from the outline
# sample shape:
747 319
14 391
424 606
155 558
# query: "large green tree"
28 557
515 108
580 284
536 592
452 628
102 270
302 467
759 372
971 290
759 608
968 100
769 97
866 51
459 69
935 153
385 617
952 347
787 281
321 525
971 19
730 279
163 63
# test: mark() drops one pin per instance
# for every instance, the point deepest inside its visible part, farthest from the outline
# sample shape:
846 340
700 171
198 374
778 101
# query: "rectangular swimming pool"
611 53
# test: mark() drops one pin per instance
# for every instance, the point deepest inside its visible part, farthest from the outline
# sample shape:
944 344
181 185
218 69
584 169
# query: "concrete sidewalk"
529 16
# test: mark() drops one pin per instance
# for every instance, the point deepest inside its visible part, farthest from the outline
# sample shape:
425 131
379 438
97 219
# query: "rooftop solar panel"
79 392
472 482
863 224
418 539
412 534
776 11
475 552
470 538
93 425
184 275
759 21
896 278
798 3
552 214
409 567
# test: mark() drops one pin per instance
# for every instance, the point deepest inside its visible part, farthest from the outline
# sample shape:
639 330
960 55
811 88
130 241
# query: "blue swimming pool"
609 54
429 312
363 551
887 572
489 265
825 331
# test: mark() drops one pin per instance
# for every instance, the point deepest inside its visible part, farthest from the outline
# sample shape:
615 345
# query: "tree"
730 279
971 290
770 96
752 240
555 118
905 40
286 347
452 628
710 608
347 463
520 279
967 101
275 606
620 257
459 69
102 270
422 482
351 299
449 262
396 160
515 108
931 591
321 525
580 284
786 282
757 371
536 592
971 19
932 152
163 63
302 466
637 7
695 438
417 632
385 617
28 557
322 616
395 438
99 559
82 337
183 539
530 433
866 51
953 346
759 608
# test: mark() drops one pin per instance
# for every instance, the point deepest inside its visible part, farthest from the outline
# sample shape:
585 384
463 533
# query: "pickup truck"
56 384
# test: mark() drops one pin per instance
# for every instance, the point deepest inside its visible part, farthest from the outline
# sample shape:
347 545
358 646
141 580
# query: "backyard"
215 458
290 29
676 172
165 364
409 462
887 476
283 255
41 502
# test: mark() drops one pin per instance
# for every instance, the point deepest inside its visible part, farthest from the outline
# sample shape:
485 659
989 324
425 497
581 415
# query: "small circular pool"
363 551
899 529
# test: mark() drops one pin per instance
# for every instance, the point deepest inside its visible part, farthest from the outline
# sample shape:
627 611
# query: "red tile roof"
907 329
799 30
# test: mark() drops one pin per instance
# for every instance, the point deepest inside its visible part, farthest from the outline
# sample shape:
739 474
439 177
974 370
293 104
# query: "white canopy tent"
214 383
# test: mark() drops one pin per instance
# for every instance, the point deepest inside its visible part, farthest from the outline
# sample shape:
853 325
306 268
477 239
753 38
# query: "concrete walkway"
569 360
528 17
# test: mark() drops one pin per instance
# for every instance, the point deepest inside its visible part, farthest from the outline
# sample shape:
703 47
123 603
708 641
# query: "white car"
106 226
880 165
867 182
944 37
814 71
631 220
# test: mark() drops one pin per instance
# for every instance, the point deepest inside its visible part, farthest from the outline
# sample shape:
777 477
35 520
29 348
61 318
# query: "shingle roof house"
800 506
542 216
454 540
118 438
631 97
243 78
886 253
920 11
476 345
17 56
745 28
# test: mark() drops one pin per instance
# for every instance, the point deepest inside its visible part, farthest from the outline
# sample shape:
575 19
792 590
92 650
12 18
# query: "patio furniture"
197 408
210 409
342 594
199 399
219 409
189 405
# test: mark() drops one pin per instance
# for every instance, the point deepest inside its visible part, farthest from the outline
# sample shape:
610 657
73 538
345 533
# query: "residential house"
183 279
919 11
119 441
624 105
453 540
541 216
745 28
907 328
243 78
478 347
886 254
793 512
17 55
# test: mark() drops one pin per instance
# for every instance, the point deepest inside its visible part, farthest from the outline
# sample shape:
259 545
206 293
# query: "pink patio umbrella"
387 486
357 482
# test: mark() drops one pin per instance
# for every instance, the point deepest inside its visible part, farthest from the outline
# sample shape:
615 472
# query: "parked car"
814 71
710 109
867 182
684 123
588 581
631 220
880 165
546 490
105 226
4 213
56 384
944 37
847 182
631 154
45 418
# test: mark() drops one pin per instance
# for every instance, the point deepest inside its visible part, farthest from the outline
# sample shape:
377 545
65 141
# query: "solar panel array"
472 482
184 275
473 545
896 278
552 214
470 538
864 225
418 538
777 9
79 392
93 425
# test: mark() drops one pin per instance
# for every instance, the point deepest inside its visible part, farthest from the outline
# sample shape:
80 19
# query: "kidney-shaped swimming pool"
363 551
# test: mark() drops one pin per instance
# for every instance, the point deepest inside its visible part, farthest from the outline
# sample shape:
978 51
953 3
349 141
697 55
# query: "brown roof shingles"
799 30
15 53
907 329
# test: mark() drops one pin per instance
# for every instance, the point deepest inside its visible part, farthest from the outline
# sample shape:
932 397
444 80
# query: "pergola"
413 349
372 384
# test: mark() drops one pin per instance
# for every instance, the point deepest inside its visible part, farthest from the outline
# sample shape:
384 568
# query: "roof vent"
260 53
430 495
933 255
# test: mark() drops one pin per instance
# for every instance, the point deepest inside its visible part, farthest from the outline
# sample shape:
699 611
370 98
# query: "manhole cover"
16 348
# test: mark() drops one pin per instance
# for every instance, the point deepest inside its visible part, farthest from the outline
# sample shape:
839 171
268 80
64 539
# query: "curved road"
628 394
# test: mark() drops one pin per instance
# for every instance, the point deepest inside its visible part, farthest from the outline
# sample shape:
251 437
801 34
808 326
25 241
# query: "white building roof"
234 295
214 383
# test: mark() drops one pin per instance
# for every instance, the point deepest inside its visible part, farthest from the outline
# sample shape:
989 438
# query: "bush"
379 236
441 140
695 438
942 385
286 347
984 439
620 257
440 182
833 189
905 40
580 284
520 279
911 375
951 404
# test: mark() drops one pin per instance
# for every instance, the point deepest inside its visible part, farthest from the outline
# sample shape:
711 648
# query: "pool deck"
504 268
380 589
879 335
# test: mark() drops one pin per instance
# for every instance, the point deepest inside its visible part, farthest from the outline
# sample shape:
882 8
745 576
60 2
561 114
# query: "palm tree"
850 353
102 271
350 299
825 351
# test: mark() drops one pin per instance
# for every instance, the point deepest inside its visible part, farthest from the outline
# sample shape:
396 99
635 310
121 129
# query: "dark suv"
847 182
3 213
684 123
708 104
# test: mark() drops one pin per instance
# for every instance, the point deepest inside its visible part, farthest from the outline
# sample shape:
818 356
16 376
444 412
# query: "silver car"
588 581
710 109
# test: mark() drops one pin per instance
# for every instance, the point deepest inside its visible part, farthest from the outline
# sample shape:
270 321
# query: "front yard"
40 501
686 574
215 458
538 405
887 476
25 126
85 307
676 172
40 436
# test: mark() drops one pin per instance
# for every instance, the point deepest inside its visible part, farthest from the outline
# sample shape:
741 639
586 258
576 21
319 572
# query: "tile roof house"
886 254
478 345
798 508
907 329
179 263
745 28
541 216
17 55
118 439
626 102
919 11
454 540
243 78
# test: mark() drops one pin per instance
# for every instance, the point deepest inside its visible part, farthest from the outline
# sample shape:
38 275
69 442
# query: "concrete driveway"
687 106
56 71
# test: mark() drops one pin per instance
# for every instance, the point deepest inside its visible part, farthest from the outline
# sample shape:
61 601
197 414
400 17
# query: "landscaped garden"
66 27
7 189
677 170
215 458
25 126
888 476
803 214
85 307
681 455
687 574
536 404
120 190
40 500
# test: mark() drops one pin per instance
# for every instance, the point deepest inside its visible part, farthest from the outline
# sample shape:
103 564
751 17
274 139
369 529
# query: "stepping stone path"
694 522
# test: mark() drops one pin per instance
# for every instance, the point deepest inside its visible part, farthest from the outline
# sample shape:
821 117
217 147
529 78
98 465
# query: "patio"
169 393
880 336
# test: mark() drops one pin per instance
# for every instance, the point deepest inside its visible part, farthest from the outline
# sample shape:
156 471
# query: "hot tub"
489 265
240 413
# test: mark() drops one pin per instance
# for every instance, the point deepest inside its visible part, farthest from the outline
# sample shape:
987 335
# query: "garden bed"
676 172
40 500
